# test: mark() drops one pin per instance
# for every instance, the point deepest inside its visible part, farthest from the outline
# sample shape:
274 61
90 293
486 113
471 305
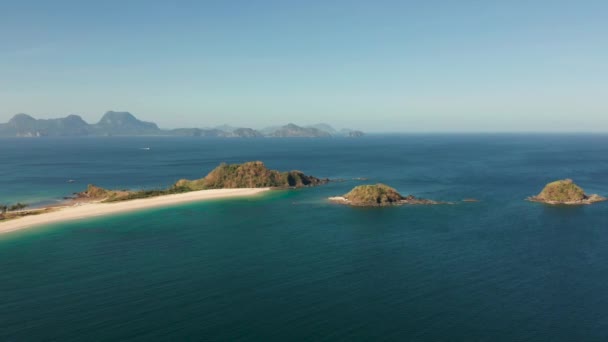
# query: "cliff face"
250 175
565 192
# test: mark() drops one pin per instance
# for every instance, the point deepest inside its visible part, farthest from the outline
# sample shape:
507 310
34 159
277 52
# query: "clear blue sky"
374 65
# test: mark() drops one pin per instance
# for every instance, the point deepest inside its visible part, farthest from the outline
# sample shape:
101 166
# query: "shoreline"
94 209
412 201
587 201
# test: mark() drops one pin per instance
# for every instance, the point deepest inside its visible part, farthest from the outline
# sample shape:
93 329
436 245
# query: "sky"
378 66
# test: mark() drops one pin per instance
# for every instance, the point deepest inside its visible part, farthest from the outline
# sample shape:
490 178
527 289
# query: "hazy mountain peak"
74 118
324 127
124 121
113 118
21 118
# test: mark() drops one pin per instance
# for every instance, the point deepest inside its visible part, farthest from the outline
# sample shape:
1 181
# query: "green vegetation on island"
18 206
94 193
225 176
565 192
16 210
115 196
5 208
250 175
378 195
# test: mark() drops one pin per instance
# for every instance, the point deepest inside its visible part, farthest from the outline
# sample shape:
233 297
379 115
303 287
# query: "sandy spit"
86 210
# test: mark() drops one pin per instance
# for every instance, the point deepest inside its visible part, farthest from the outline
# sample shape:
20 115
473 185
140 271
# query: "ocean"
290 266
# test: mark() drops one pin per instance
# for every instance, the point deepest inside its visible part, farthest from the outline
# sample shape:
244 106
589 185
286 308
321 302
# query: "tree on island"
17 206
3 209
565 192
378 195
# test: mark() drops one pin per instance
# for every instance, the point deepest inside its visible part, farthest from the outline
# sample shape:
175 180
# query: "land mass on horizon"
126 124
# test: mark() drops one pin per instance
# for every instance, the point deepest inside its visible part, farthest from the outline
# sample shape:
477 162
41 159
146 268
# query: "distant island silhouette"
126 124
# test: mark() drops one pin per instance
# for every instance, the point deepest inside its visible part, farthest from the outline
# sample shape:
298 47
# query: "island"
565 192
225 181
249 175
126 124
378 195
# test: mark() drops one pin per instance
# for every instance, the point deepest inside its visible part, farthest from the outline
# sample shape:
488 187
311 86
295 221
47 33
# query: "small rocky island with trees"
378 195
249 175
565 192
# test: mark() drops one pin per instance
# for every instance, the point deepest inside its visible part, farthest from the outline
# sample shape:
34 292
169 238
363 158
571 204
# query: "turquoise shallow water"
288 265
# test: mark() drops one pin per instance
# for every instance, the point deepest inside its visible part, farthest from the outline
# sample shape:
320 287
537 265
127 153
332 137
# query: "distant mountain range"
125 124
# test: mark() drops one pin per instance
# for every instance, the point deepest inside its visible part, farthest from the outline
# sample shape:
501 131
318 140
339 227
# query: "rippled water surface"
288 265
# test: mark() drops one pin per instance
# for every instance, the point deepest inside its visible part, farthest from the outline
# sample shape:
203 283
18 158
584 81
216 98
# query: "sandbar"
92 209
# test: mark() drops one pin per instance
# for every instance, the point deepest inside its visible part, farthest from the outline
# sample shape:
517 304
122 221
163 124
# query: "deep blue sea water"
288 265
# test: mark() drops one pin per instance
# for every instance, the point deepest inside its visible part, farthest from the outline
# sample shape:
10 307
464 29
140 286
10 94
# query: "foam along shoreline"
93 209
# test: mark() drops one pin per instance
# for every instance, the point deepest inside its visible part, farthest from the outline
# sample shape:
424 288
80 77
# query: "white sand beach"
86 210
